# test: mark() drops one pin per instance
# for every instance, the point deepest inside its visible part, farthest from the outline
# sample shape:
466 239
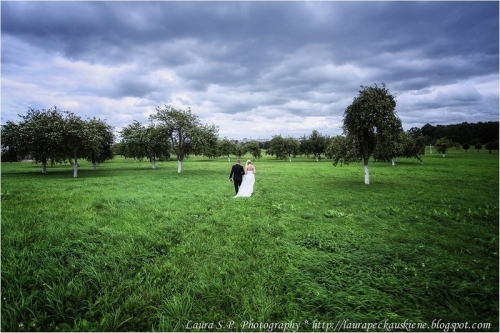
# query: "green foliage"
253 149
420 145
57 136
73 137
442 145
134 140
291 147
227 147
185 131
239 150
478 147
277 147
372 112
100 138
317 144
466 147
40 134
305 147
204 140
492 146
471 133
11 151
139 141
400 145
127 249
344 150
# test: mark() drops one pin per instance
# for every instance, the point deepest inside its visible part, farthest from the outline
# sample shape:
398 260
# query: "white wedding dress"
246 187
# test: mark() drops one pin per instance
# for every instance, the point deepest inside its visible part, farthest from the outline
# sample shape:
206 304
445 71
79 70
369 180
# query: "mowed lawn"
129 248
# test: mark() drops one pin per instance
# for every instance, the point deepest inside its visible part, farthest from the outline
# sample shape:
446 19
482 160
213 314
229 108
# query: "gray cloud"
251 67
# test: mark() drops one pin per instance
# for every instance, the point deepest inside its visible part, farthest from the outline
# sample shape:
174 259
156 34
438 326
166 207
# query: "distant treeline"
462 133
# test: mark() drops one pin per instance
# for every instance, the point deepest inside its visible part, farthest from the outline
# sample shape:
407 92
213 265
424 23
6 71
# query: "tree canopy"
227 148
372 112
253 148
343 150
186 133
141 141
100 141
443 144
57 135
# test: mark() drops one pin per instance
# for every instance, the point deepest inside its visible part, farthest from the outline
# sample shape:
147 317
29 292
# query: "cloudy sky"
255 69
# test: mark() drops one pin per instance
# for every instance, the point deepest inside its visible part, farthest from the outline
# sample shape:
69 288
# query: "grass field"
129 248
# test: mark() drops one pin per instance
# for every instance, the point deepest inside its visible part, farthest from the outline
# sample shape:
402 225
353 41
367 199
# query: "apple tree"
371 113
442 145
184 130
226 148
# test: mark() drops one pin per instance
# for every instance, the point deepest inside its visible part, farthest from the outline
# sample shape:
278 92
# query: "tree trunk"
393 162
444 155
153 164
418 158
75 170
316 157
228 159
366 157
44 167
179 166
94 166
290 158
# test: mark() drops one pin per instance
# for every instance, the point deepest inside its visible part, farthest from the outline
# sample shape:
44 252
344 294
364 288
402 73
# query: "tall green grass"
129 248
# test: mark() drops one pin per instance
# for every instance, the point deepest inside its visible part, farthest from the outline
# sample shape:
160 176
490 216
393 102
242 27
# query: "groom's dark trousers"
237 173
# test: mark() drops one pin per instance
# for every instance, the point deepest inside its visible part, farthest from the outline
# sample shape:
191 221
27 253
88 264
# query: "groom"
238 172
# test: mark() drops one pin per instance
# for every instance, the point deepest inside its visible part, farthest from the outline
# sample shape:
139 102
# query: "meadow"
129 248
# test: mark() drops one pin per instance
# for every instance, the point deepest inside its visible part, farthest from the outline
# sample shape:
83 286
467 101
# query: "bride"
246 188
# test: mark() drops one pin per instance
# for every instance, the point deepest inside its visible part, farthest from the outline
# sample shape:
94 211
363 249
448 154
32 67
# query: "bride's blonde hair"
249 162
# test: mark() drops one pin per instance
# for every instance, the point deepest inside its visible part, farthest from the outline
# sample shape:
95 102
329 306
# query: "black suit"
238 172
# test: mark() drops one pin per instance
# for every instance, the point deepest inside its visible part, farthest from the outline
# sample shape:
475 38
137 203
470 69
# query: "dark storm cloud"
270 59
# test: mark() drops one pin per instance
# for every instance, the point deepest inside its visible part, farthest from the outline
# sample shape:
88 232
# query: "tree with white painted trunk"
58 136
38 135
183 129
291 147
318 143
443 144
74 139
149 142
372 112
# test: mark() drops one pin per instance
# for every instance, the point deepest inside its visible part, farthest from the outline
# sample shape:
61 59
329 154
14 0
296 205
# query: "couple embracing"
243 178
